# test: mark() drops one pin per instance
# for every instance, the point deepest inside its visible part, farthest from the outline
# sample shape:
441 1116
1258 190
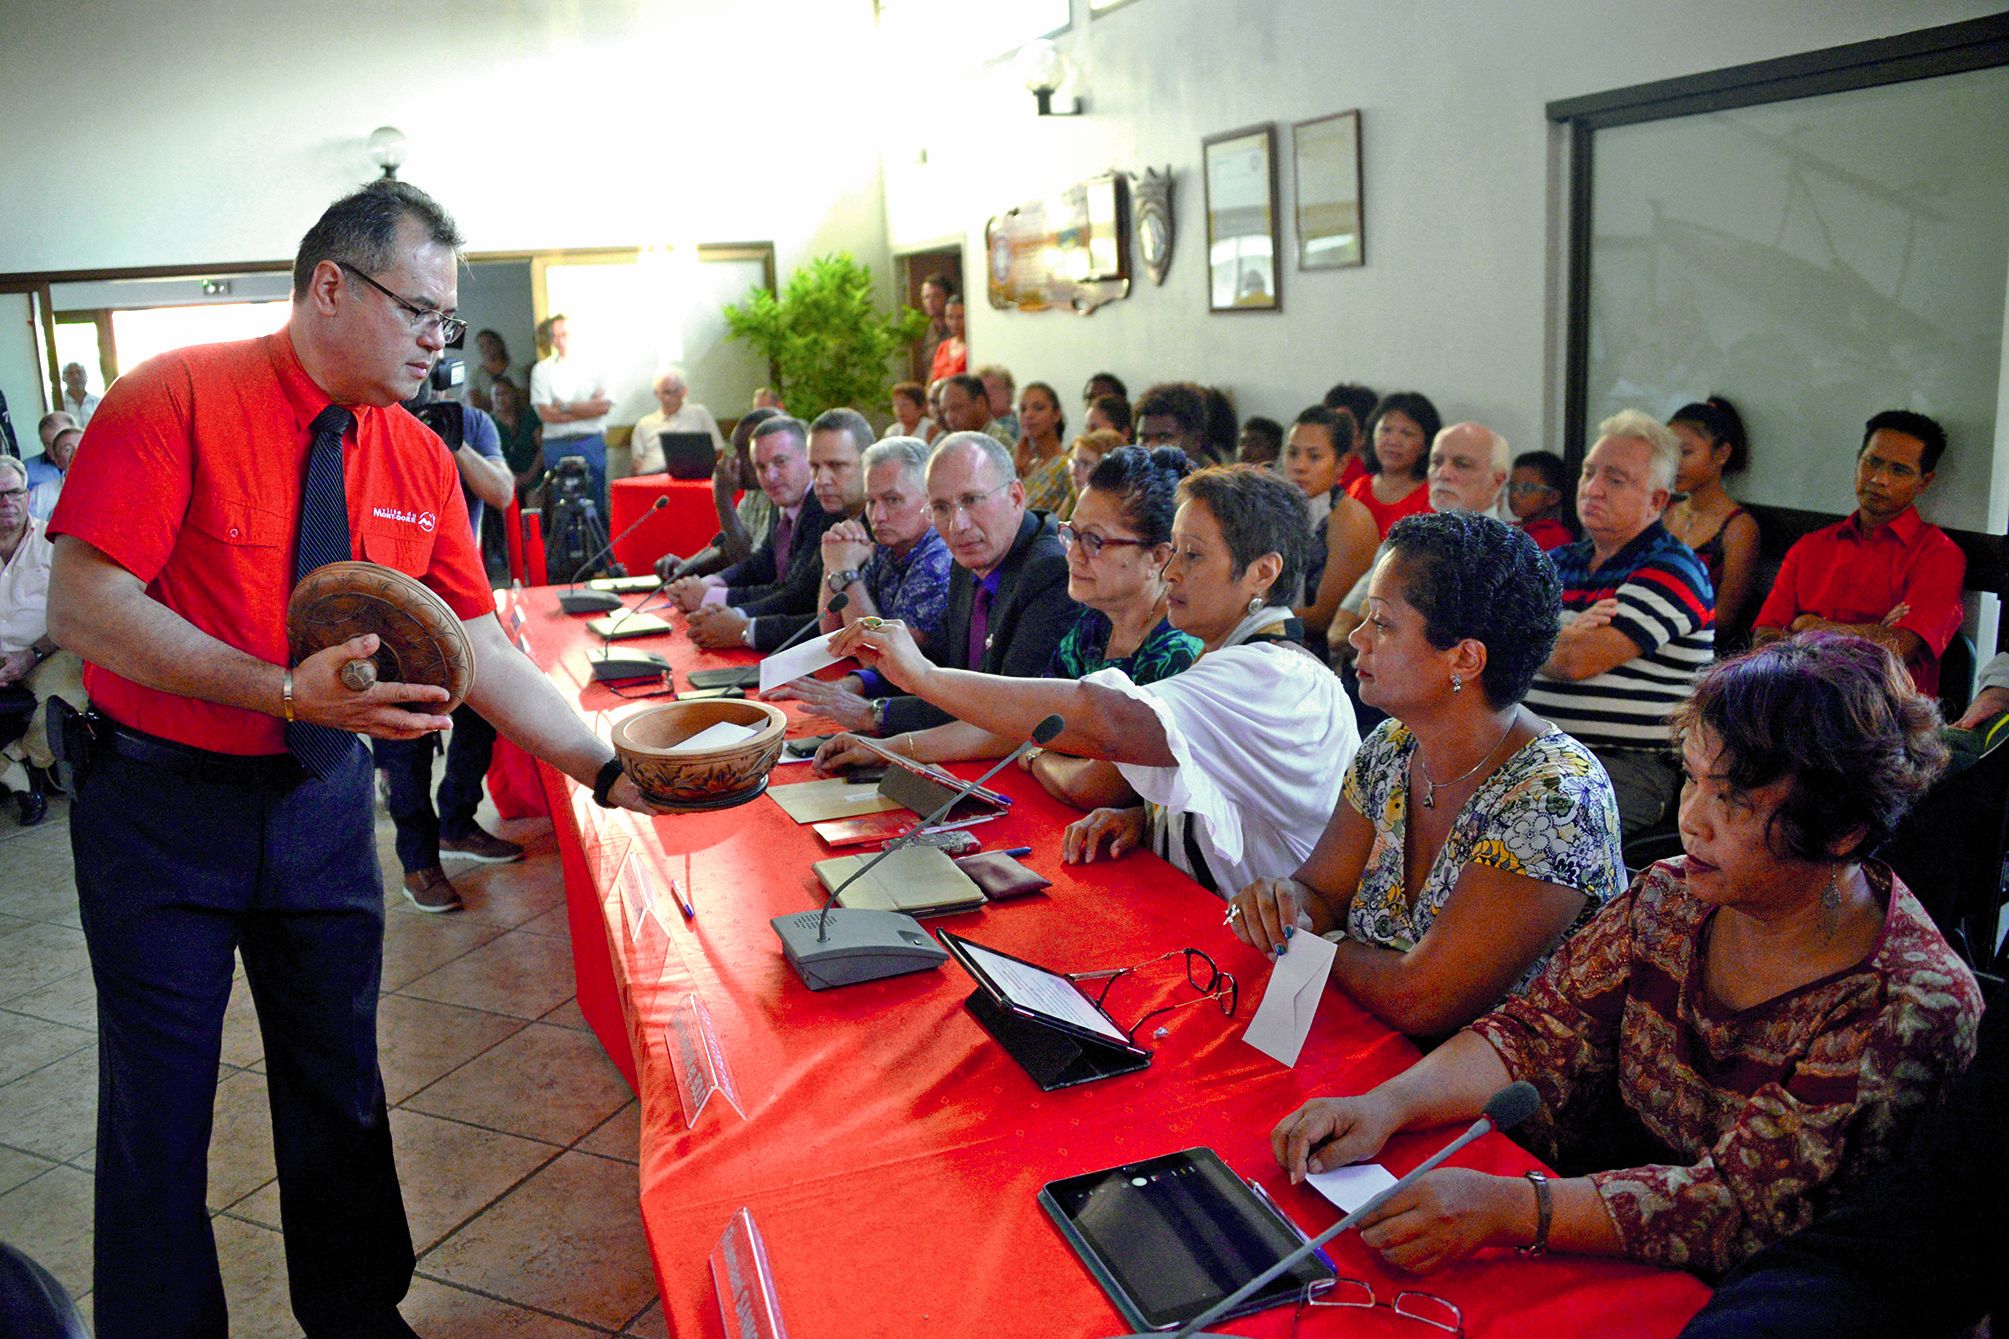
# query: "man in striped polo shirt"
1638 618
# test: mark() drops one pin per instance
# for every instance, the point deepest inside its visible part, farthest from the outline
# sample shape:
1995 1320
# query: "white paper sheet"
1351 1187
1290 1001
715 736
1042 992
787 666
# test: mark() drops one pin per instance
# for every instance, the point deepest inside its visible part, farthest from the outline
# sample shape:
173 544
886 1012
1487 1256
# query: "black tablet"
1169 1237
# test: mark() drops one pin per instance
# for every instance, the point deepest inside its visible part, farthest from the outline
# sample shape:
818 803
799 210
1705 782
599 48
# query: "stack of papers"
721 735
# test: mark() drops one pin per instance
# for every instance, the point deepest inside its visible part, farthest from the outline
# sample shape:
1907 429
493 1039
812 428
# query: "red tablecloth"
683 527
891 1152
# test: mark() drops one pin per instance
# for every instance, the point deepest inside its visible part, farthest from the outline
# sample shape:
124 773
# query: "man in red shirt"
226 805
1883 573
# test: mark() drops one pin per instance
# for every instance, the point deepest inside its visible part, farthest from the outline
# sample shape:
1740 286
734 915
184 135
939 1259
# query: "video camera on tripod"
575 535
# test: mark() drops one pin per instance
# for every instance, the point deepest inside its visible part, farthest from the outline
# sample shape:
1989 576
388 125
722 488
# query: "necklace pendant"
1429 796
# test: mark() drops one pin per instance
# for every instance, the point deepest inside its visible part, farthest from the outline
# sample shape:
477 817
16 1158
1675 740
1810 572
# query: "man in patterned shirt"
1639 618
891 562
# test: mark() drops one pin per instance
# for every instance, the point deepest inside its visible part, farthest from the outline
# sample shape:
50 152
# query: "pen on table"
683 903
1016 851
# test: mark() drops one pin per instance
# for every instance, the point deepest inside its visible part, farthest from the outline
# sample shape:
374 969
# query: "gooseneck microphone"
576 601
842 946
1504 1110
637 664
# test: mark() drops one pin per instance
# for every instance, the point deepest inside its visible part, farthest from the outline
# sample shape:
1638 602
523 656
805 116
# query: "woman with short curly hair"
1470 834
1739 1039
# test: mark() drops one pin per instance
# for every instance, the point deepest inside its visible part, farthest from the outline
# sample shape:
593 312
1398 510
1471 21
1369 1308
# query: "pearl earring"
1457 684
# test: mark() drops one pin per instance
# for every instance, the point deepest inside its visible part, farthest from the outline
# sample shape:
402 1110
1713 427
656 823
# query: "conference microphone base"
860 946
635 665
588 601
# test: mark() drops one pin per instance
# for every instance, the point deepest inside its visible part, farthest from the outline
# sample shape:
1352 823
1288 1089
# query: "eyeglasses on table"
1201 974
1359 1295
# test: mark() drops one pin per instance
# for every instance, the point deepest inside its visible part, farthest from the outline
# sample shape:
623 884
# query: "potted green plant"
830 343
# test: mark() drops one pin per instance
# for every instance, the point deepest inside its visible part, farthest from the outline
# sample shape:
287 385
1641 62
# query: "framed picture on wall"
1325 154
1242 231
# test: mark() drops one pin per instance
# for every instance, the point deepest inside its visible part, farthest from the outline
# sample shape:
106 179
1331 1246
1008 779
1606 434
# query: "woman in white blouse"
1239 759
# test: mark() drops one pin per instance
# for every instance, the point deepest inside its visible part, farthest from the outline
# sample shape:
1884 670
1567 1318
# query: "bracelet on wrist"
603 784
286 694
1544 1213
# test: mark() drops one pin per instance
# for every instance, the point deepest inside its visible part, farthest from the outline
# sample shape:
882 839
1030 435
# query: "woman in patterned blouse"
1471 834
1041 455
1117 546
1739 1038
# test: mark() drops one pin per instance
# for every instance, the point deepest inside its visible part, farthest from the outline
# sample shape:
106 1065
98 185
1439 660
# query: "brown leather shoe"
483 846
429 890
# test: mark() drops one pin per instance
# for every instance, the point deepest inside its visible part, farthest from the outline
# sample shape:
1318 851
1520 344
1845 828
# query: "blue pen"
1017 850
683 903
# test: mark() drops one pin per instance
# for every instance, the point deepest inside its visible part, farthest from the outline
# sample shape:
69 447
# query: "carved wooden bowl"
710 778
420 639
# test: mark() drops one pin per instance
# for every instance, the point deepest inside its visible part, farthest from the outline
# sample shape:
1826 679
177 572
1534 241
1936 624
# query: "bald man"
677 412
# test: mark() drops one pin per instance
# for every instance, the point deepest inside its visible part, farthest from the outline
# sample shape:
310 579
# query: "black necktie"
323 539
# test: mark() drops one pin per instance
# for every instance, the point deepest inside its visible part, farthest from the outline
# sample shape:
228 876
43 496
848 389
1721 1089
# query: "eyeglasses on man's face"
944 512
1093 544
423 320
1201 974
13 494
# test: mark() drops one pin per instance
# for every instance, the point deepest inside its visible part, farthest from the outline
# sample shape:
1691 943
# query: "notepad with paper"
919 880
821 801
618 626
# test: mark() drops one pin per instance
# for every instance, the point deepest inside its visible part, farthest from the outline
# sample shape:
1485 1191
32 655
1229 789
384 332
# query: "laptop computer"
688 455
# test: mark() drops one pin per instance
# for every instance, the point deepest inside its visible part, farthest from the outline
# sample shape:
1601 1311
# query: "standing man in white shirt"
78 402
678 413
571 401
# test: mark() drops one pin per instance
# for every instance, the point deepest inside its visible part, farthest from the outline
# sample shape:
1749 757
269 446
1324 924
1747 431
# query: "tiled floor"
516 1138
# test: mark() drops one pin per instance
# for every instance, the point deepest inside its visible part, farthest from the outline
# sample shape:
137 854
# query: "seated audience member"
1343 534
1109 413
78 402
62 450
521 433
1884 573
491 365
52 423
1117 547
966 408
1397 457
999 389
1637 613
1085 453
1173 413
952 355
767 397
675 412
30 661
41 469
1101 384
1472 834
406 765
1737 1040
890 562
1535 495
1239 758
1261 442
743 525
1358 401
1041 452
781 465
1707 519
1223 427
1991 694
1918 1250
910 412
1008 605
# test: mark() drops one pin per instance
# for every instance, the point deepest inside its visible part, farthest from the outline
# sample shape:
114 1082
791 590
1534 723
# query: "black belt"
237 769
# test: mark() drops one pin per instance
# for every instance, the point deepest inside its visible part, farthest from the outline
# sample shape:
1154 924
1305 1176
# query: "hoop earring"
1457 684
1255 603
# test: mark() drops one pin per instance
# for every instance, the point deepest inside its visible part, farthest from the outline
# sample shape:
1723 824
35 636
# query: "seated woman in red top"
1398 457
1710 521
1736 1041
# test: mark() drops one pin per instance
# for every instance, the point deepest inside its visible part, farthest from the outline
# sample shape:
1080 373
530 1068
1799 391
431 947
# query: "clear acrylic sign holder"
699 1061
746 1296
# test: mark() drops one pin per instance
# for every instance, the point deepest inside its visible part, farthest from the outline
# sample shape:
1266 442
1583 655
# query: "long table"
890 1152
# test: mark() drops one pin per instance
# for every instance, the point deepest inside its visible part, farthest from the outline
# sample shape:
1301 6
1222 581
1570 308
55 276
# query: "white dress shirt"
645 448
24 591
556 381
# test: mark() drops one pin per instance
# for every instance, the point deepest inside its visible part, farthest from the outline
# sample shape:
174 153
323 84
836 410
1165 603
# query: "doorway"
915 267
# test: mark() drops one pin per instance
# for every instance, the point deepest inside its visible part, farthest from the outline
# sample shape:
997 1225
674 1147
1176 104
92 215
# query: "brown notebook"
919 880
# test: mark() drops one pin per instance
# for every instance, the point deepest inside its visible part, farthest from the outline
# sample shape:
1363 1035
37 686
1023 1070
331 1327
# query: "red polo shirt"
1846 576
189 478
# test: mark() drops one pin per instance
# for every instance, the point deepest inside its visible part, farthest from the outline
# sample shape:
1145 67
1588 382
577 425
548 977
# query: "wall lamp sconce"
387 150
1044 70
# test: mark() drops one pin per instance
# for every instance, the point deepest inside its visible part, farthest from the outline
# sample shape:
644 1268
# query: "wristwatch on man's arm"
839 581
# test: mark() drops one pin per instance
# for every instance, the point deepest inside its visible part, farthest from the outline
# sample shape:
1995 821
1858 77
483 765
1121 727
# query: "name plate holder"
747 1299
699 1061
638 902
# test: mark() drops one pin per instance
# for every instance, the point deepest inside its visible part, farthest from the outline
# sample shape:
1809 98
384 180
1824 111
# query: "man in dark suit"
1008 606
814 479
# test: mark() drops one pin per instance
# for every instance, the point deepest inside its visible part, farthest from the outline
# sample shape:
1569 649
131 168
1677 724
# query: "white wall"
1462 196
210 131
